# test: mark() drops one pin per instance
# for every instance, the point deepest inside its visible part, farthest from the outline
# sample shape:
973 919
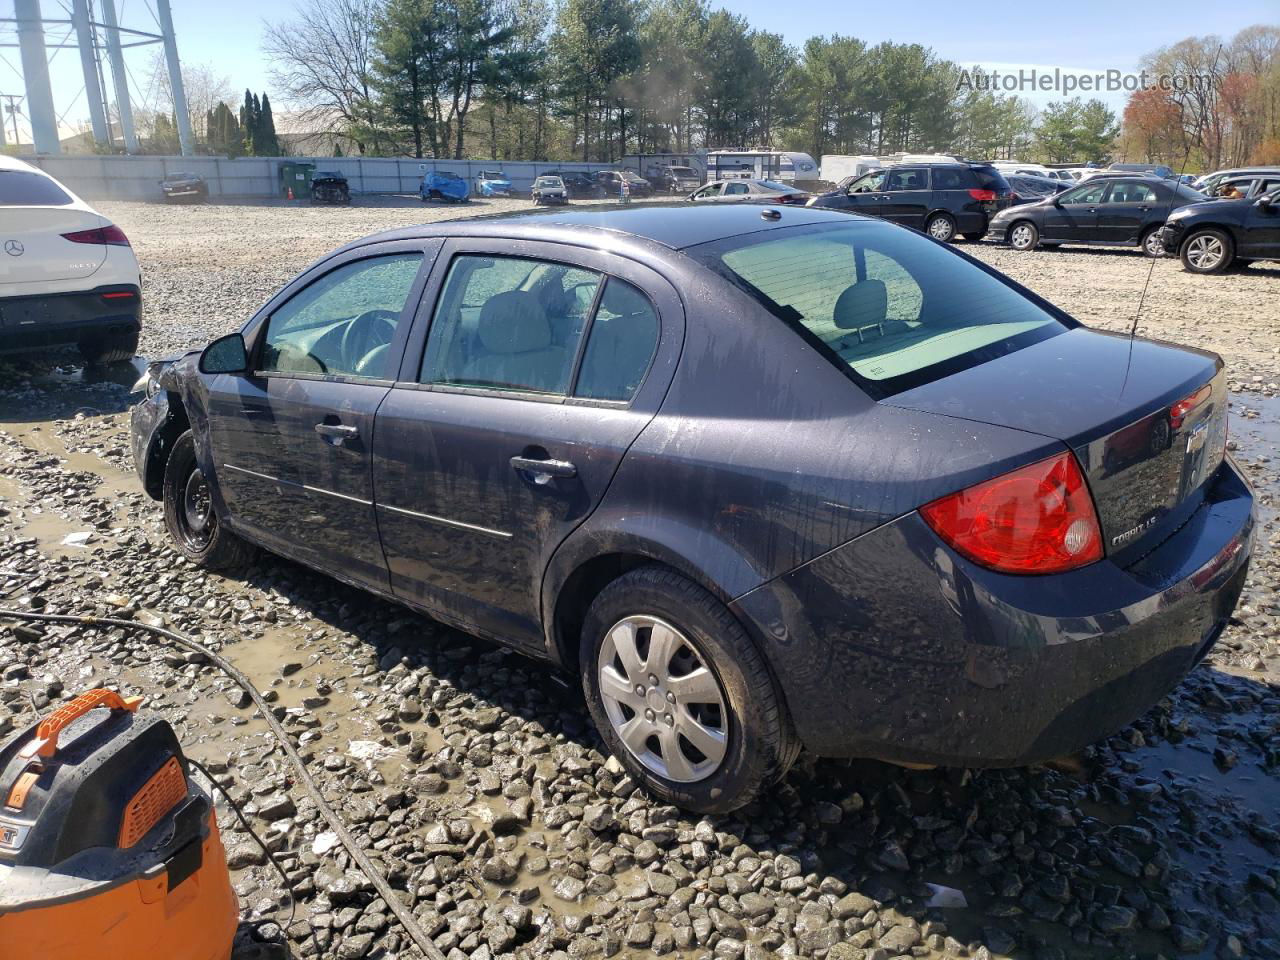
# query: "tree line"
595 79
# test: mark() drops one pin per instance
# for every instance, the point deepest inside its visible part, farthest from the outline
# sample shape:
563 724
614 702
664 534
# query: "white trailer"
837 166
789 167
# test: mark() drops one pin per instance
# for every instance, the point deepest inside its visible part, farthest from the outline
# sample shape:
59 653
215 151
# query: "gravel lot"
474 777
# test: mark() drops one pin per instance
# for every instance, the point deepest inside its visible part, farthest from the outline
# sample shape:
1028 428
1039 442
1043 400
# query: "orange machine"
107 847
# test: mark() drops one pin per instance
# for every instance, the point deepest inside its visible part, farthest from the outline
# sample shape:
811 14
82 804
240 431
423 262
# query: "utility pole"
183 118
13 99
35 71
115 55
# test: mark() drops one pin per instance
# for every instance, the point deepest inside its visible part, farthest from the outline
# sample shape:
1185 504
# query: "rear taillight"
1036 519
1178 412
110 235
983 196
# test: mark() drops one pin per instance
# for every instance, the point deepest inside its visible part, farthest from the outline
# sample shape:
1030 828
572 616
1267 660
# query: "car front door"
906 196
1126 208
1259 234
864 195
710 192
1074 215
532 369
291 441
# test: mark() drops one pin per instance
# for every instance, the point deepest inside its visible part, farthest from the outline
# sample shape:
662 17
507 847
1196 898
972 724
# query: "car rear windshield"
18 188
1188 192
683 171
890 308
775 185
989 178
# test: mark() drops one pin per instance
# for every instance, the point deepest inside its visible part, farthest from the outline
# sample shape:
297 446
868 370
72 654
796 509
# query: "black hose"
385 890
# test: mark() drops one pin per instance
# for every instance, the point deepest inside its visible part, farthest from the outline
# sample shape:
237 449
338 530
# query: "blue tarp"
440 185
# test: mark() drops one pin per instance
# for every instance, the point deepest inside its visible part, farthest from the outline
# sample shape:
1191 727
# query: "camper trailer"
836 167
760 165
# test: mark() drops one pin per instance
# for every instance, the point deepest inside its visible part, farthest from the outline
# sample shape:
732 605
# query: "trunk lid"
45 254
1119 405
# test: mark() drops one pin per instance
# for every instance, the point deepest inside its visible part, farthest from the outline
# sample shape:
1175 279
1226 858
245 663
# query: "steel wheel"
197 510
1022 237
1206 252
662 699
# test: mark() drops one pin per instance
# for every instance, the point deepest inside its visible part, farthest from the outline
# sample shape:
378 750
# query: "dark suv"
943 199
763 477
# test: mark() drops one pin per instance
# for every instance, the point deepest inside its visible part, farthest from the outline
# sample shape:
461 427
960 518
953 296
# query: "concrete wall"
137 178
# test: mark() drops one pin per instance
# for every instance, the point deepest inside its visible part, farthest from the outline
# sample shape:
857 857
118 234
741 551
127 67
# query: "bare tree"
204 86
320 60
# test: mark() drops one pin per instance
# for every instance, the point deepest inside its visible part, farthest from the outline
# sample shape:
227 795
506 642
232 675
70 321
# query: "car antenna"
1186 157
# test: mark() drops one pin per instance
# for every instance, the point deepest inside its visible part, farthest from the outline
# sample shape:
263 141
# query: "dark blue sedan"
765 478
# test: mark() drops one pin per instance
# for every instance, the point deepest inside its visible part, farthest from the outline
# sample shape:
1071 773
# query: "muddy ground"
473 776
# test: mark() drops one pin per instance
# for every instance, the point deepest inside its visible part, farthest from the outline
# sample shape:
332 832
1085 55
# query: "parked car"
1155 169
673 179
330 186
1027 189
1208 184
578 185
444 186
1124 211
67 274
551 431
549 189
184 186
1209 237
751 191
611 183
493 183
943 199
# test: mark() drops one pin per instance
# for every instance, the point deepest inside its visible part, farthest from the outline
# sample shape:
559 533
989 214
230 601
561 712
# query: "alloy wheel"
197 510
1205 252
940 228
1021 237
1153 245
662 699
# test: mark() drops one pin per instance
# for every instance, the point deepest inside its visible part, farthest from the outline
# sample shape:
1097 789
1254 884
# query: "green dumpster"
297 176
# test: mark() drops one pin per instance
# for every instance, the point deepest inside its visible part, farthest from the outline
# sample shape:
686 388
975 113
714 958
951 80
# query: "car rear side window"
623 338
344 322
18 188
509 323
948 179
890 308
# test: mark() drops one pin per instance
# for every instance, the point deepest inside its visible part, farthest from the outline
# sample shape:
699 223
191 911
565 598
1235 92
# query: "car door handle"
337 431
544 468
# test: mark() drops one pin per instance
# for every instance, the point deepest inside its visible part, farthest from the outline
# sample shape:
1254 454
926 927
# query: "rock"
852 905
1112 920
354 947
598 817
900 939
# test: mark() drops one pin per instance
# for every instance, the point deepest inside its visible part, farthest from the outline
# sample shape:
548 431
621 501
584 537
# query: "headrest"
862 303
514 322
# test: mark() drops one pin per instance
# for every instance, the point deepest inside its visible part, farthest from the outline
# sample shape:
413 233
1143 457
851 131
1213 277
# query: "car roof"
676 225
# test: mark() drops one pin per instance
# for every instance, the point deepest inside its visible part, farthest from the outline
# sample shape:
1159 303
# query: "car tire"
736 711
1206 251
1023 236
210 545
113 348
1151 244
942 227
973 237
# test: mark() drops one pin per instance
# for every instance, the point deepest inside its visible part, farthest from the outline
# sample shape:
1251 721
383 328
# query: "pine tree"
249 123
269 143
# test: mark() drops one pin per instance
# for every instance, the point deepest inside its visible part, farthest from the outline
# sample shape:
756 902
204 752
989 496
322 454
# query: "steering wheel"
371 329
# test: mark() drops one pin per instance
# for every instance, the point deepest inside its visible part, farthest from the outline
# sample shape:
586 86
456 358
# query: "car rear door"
1259 234
532 369
292 440
1074 215
1125 209
906 196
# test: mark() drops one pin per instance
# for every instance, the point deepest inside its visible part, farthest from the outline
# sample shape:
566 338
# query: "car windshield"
683 171
550 182
18 188
327 175
631 175
491 175
890 308
182 176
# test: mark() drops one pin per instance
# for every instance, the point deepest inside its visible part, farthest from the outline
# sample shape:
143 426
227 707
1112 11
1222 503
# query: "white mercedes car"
67 274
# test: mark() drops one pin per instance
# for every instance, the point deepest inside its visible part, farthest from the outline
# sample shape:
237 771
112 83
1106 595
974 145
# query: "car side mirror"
1265 202
225 355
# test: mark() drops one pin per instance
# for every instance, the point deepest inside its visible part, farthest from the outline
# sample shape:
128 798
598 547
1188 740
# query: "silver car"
549 190
751 191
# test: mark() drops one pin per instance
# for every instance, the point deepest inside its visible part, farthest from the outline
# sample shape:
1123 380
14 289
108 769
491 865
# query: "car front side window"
344 322
871 183
508 323
1084 195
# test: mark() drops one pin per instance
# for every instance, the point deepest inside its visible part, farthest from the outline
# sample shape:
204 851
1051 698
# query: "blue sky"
1076 35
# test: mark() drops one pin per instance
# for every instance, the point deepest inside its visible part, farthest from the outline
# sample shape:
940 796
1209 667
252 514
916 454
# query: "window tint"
623 336
1131 193
888 306
736 189
1085 194
343 322
950 179
911 178
508 323
989 178
18 188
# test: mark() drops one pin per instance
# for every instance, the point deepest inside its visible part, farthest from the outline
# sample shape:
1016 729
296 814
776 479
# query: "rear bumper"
895 647
33 322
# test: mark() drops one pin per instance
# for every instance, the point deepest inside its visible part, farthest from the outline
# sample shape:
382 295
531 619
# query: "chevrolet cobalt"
766 478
